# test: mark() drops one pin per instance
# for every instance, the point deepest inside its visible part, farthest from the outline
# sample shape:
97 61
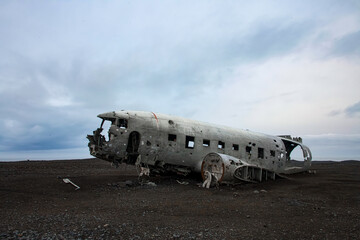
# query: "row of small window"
190 143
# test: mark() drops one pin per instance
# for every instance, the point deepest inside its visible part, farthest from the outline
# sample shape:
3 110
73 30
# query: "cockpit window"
106 124
107 121
122 123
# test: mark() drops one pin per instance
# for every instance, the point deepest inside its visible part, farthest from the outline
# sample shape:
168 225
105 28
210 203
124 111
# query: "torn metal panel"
164 143
228 169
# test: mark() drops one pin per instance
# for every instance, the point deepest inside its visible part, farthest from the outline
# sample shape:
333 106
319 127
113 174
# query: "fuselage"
172 143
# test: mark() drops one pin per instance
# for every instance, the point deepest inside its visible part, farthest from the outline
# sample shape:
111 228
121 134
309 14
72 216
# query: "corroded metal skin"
168 143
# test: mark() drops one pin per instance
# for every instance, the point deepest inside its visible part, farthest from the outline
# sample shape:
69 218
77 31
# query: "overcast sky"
277 67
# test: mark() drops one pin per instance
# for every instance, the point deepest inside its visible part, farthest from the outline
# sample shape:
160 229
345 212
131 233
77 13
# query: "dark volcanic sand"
36 204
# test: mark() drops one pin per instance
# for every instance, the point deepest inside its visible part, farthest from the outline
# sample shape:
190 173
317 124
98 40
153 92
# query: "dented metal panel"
168 143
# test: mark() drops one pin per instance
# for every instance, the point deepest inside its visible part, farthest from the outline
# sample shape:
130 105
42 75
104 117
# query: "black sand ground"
36 204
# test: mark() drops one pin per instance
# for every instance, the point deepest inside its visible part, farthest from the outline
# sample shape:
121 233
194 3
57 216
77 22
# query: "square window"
221 145
235 147
206 143
190 142
122 123
248 149
172 137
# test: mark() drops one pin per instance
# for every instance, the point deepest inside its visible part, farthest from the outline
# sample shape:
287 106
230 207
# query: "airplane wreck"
159 143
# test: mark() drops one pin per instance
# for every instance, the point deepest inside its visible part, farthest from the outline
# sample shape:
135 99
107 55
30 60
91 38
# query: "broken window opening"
206 143
272 153
172 137
235 147
122 123
248 149
221 145
190 142
106 124
297 154
260 153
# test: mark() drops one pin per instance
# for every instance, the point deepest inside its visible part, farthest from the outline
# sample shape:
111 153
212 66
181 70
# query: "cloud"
334 146
348 45
264 66
350 111
270 39
353 110
334 113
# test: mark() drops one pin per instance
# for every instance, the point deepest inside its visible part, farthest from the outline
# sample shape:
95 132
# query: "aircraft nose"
106 115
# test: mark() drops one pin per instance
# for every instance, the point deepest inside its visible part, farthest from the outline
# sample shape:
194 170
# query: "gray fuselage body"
172 143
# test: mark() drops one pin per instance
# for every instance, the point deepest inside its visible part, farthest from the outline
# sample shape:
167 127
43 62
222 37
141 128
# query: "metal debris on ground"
210 180
182 183
66 180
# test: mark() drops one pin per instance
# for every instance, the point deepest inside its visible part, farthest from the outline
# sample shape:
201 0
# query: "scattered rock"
129 183
182 182
151 184
34 206
175 235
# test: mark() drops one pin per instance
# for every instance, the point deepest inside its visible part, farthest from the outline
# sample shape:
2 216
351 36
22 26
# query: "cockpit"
115 126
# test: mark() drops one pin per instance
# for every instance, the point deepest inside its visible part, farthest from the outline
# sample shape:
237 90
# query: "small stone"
151 184
256 191
129 183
